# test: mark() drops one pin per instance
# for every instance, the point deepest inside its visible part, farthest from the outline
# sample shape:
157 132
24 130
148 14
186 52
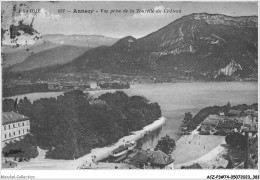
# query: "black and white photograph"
130 85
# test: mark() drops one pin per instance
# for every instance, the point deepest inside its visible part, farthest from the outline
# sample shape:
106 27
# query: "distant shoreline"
59 92
133 85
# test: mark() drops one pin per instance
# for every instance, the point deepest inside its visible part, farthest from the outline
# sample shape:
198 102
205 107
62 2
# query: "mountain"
26 57
80 40
58 55
197 46
194 47
14 56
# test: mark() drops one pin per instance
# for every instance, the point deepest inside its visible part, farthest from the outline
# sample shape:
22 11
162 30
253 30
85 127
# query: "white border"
125 174
128 174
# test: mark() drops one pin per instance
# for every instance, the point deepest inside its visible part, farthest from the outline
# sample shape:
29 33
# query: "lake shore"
33 96
41 163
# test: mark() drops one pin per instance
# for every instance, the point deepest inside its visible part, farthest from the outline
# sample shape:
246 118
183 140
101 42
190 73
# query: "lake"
177 98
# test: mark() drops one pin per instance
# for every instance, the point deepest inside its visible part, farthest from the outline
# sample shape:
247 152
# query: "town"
238 126
66 82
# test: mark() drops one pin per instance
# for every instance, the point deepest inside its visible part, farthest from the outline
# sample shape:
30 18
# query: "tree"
118 99
24 106
228 105
166 144
227 108
136 120
8 105
25 148
187 119
138 102
235 139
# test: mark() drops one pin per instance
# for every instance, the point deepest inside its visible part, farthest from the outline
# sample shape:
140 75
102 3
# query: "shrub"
236 139
205 133
166 144
25 148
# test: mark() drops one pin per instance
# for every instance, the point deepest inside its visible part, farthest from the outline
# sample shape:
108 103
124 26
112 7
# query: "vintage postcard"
130 85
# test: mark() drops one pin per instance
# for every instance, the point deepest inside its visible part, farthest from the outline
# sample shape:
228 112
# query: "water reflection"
148 141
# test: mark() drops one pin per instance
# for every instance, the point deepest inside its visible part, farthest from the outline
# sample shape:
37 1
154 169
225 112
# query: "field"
200 148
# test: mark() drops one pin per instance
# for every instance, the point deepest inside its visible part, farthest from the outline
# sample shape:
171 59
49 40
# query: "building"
213 120
161 160
239 120
226 127
147 159
248 120
250 124
93 85
14 126
234 112
221 113
209 125
205 129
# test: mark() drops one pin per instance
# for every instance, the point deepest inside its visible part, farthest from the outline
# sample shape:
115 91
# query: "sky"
118 25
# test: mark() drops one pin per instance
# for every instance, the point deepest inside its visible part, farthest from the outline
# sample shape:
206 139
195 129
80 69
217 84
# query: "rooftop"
205 127
153 157
234 112
226 125
193 166
11 117
213 120
161 158
250 128
140 156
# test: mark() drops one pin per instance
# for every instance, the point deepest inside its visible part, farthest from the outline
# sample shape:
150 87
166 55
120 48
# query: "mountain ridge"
16 56
54 56
199 46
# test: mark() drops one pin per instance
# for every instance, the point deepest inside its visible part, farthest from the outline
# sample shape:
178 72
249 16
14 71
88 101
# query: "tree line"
72 124
114 85
25 89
